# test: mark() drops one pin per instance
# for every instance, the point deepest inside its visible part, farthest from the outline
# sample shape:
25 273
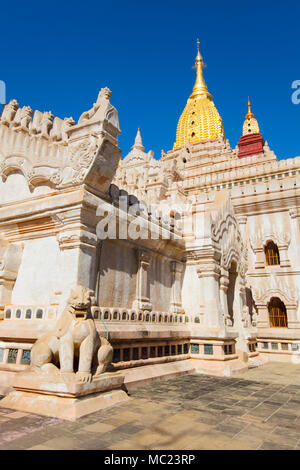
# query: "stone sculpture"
73 339
46 124
23 118
102 101
9 112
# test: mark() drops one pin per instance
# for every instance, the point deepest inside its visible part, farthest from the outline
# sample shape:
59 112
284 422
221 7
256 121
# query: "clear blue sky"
57 55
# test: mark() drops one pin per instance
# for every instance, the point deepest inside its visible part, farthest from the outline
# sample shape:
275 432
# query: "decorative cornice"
260 239
70 239
275 287
59 152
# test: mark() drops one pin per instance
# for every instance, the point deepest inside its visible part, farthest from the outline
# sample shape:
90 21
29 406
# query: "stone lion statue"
46 123
74 340
58 131
102 101
9 112
23 118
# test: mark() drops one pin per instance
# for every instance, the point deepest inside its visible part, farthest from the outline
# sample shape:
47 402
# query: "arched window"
272 254
39 313
277 313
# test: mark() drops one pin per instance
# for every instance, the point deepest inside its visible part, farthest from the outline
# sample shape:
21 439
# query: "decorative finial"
198 57
200 88
250 125
138 144
249 115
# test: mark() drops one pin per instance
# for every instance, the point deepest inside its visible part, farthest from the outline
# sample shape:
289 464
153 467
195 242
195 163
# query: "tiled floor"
257 409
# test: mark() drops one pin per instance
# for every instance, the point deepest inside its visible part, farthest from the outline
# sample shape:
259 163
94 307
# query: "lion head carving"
80 298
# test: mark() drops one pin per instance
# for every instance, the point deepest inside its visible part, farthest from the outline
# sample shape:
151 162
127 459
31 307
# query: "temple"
192 260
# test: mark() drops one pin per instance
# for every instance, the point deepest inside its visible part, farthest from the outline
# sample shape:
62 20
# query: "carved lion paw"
50 369
83 377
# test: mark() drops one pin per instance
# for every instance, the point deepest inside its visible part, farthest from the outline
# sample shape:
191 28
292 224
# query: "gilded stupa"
200 120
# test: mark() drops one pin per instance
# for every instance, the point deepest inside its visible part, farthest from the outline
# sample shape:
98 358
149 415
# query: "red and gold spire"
252 142
250 125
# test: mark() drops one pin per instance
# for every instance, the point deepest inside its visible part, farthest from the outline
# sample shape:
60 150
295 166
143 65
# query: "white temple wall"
15 188
118 274
271 226
40 272
191 292
294 252
118 278
160 284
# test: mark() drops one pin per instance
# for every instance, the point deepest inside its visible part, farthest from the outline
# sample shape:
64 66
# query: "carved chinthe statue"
9 112
73 340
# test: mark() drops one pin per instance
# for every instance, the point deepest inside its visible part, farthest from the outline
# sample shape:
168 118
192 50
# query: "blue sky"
57 55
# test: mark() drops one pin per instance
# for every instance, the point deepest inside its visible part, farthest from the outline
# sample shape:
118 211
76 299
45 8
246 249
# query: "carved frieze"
275 287
59 152
259 239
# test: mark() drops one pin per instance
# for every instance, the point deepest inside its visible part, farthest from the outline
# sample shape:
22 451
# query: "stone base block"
139 376
51 396
219 368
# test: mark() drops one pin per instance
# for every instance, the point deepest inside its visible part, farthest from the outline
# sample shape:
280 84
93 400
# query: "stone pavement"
256 409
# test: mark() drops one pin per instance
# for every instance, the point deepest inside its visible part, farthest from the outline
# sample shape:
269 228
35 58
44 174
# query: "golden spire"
250 125
200 120
200 88
249 115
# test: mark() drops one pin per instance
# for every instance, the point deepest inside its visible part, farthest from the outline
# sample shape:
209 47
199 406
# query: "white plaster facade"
192 296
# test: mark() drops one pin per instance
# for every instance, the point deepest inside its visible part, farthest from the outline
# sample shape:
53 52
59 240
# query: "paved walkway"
256 409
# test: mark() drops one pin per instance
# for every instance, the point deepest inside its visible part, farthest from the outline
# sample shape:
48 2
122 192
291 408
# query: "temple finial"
249 115
200 87
138 144
250 125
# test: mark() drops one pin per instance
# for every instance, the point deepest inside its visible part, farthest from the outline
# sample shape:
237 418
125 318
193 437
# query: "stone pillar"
78 247
9 265
259 252
260 260
142 301
242 220
295 215
262 316
295 230
283 254
224 282
176 273
243 319
291 313
209 275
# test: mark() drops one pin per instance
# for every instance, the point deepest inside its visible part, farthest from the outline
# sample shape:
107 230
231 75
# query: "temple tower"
252 141
200 120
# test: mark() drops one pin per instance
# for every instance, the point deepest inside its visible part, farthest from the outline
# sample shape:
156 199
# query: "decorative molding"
57 152
260 239
275 287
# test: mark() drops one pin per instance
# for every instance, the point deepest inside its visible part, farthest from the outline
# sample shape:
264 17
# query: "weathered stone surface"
50 396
